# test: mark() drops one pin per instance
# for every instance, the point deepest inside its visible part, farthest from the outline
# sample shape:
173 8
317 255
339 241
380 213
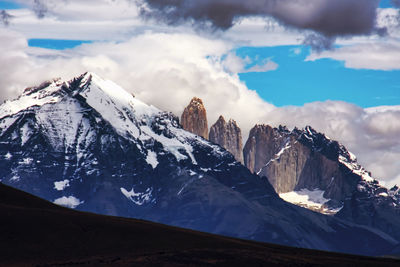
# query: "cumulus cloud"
13 56
87 10
153 66
176 67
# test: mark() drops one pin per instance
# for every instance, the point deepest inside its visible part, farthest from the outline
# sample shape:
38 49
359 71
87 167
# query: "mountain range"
309 169
89 145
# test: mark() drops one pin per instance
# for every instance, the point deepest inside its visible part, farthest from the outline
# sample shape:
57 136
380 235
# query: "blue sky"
55 43
295 81
9 5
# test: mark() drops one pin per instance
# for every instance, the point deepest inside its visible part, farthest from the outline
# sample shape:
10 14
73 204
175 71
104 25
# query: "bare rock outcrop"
194 118
301 159
229 136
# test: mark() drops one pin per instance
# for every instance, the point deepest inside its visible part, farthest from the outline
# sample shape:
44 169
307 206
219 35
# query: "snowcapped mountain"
88 144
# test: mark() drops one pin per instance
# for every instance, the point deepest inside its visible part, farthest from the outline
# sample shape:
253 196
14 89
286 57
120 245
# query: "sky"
334 65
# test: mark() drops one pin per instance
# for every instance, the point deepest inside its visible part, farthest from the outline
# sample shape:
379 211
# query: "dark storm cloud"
5 17
331 18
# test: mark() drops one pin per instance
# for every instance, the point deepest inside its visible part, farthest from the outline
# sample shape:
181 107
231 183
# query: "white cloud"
88 10
370 52
167 70
153 66
235 64
373 55
88 27
266 65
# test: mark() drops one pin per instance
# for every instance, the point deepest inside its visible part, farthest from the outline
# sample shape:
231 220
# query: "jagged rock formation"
229 136
295 160
303 159
309 169
194 118
374 206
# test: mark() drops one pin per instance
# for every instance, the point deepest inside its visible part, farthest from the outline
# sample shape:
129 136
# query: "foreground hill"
36 232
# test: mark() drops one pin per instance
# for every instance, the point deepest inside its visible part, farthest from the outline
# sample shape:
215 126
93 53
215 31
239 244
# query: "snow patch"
61 185
172 145
39 98
352 156
276 157
116 105
138 198
311 199
356 168
26 133
8 156
152 159
15 178
26 161
69 202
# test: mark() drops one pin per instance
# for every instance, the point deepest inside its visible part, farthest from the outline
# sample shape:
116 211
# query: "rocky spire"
194 118
229 136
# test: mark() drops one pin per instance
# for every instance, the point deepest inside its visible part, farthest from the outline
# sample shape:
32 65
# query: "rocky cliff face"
310 170
229 136
303 160
194 118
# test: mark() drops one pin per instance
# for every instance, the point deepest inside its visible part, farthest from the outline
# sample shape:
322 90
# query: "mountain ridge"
119 156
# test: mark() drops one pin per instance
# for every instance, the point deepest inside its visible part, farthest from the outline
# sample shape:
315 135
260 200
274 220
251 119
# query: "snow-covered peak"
103 91
32 96
344 156
115 105
68 112
330 148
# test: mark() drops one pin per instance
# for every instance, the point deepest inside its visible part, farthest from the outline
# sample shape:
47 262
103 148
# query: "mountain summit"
194 118
229 136
88 144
